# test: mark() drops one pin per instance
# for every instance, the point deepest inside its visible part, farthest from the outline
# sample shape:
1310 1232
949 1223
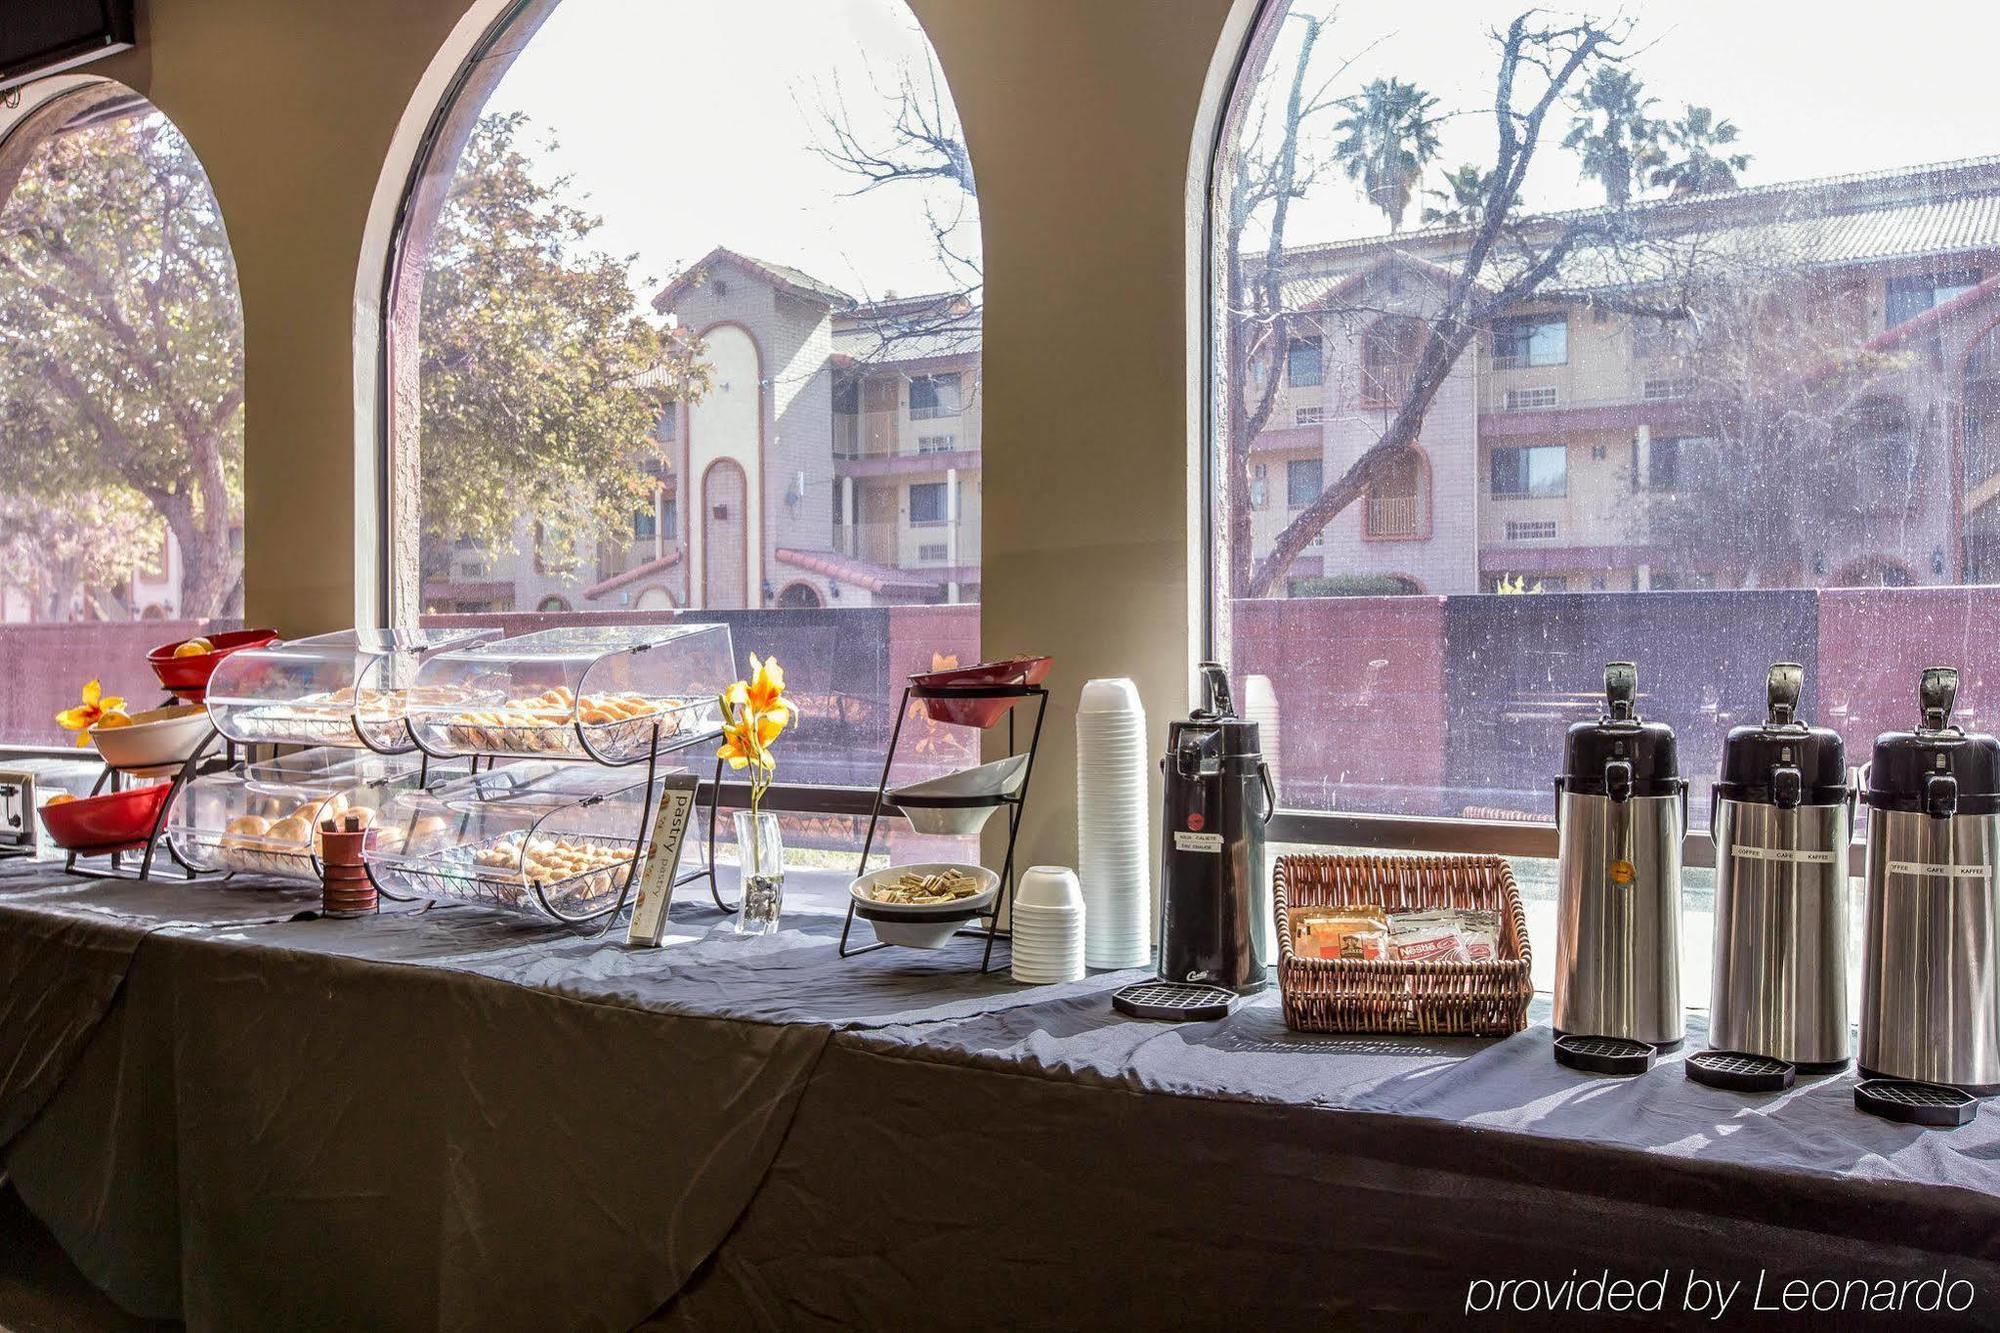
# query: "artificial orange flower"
754 714
95 706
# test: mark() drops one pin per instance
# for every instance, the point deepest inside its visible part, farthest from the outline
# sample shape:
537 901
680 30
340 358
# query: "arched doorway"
799 597
725 537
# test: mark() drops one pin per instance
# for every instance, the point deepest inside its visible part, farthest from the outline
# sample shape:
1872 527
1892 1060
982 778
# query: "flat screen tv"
44 36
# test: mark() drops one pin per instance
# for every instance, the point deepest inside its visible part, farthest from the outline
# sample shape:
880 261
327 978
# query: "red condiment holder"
346 890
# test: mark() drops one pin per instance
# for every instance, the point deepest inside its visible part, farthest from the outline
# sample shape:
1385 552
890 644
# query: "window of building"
1302 481
725 329
1398 502
1911 295
1303 365
1526 400
1534 471
1389 350
928 503
934 396
1661 389
121 401
1683 462
1531 340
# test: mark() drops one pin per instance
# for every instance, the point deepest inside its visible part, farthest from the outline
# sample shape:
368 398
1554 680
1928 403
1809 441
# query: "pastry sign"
663 858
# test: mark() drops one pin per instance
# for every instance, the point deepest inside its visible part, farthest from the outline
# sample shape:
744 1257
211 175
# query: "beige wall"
1080 115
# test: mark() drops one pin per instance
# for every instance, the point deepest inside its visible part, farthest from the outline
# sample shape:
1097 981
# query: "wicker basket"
1356 995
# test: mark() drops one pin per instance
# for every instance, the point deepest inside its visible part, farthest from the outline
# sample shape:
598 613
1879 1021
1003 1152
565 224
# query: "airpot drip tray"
1933 1105
1605 1055
1740 1071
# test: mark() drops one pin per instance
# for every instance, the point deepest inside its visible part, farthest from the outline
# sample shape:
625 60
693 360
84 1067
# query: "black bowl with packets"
1433 945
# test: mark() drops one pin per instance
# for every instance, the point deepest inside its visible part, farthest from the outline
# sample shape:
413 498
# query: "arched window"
1389 358
1610 371
719 310
121 400
1398 502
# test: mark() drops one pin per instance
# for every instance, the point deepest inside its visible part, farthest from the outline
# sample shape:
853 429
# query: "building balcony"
907 464
1386 385
1394 517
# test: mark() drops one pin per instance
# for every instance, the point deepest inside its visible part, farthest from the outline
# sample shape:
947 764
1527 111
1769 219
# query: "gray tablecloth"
458 1119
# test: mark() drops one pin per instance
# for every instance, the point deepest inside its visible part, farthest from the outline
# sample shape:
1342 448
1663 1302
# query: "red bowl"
188 676
114 822
980 712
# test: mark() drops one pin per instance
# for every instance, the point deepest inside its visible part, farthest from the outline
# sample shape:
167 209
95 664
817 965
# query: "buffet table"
460 1119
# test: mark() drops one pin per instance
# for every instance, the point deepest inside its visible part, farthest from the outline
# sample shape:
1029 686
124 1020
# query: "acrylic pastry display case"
559 839
352 688
610 695
264 818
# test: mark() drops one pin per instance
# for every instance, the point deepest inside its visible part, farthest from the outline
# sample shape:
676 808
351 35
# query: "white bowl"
157 738
968 798
930 926
1049 886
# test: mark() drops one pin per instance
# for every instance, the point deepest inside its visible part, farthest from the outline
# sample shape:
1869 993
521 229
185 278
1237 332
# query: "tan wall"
1079 114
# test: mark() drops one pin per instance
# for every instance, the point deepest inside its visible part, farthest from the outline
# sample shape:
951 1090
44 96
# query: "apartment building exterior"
833 461
1585 443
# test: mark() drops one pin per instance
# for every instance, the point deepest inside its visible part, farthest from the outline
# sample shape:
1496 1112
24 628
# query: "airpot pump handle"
1937 695
1940 795
1618 780
1621 684
1781 688
1216 701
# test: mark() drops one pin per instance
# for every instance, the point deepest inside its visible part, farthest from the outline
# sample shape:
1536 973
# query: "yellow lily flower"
766 689
96 704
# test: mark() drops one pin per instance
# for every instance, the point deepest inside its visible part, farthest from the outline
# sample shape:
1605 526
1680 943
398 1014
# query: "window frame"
1380 832
475 58
1527 360
943 489
935 410
1527 491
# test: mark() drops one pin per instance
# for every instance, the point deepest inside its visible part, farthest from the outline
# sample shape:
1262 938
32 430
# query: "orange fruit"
194 648
60 798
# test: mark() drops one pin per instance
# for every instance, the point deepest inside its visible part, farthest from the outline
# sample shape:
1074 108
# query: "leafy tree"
121 349
1463 197
540 380
1388 136
1613 133
58 549
1701 162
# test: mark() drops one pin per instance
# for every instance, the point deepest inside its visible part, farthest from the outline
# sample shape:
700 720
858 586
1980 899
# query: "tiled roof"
659 565
782 275
861 573
1943 209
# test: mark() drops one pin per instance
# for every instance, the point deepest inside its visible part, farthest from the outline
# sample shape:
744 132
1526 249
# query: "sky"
1815 89
689 124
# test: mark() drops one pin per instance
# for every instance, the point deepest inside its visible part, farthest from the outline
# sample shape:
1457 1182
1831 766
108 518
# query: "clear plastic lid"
608 694
560 839
350 688
264 818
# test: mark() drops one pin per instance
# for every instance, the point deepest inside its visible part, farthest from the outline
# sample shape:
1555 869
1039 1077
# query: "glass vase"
760 855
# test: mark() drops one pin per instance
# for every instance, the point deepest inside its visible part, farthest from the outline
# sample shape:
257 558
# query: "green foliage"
1388 136
1348 585
533 348
1701 162
1614 133
121 355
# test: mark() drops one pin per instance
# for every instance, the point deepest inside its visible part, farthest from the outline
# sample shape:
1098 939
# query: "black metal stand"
193 766
1015 802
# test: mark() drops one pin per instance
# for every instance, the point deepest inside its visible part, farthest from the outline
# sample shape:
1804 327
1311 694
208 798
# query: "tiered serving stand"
978 697
581 706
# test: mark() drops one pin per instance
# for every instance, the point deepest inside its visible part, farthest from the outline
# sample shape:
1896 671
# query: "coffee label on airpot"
1940 870
1798 856
1197 842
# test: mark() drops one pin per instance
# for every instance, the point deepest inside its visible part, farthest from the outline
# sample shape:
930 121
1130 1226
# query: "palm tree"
1388 136
1463 199
1618 141
1697 166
